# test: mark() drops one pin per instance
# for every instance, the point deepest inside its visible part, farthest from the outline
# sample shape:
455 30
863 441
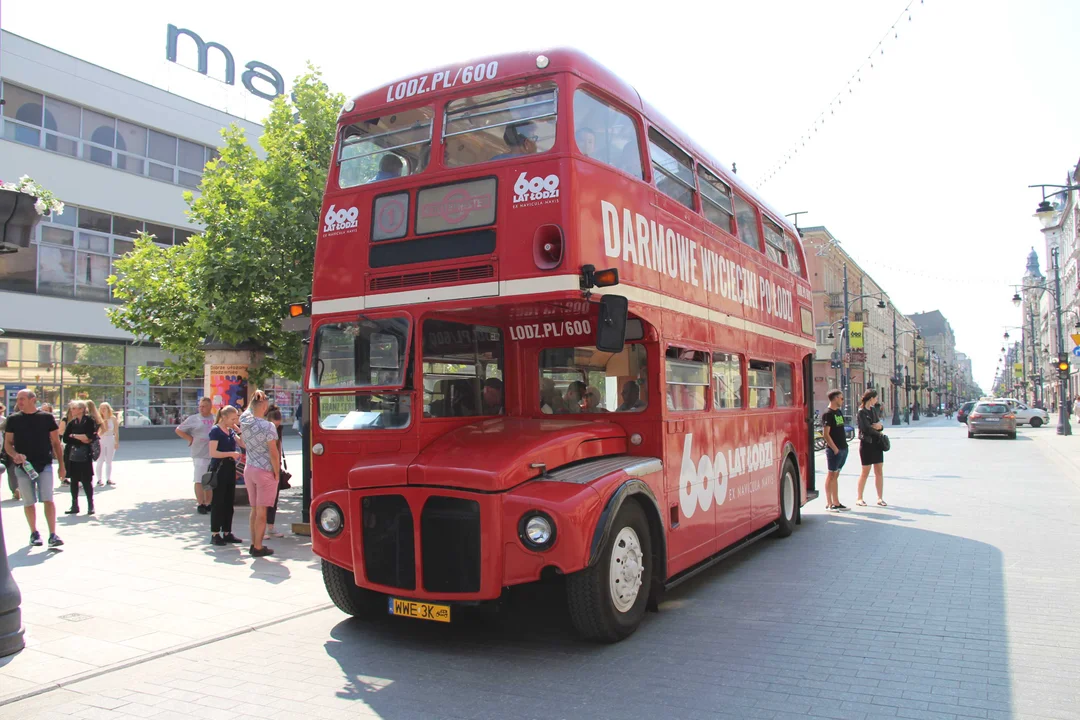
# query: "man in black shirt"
31 440
836 450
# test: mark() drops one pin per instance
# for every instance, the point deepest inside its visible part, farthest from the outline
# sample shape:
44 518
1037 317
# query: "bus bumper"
449 545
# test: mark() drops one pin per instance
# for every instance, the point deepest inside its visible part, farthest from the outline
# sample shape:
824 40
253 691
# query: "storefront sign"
256 70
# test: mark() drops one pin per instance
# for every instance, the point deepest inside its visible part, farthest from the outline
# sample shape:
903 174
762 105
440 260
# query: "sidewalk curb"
149 657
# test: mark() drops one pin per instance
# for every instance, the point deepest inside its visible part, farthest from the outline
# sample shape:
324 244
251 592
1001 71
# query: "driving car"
962 413
1035 417
992 418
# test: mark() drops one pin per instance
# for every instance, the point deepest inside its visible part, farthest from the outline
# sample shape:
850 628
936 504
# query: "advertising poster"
228 386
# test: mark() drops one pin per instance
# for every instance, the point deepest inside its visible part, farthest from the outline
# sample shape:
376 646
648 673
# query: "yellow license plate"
419 610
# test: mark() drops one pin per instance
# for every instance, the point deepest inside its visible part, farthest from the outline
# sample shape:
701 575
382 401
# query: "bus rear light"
548 246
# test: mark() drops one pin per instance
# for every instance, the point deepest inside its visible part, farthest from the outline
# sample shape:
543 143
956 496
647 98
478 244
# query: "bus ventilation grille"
434 277
388 544
450 545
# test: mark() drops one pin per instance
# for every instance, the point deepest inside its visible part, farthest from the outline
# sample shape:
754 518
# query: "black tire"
350 599
970 434
786 520
1036 422
1012 436
588 592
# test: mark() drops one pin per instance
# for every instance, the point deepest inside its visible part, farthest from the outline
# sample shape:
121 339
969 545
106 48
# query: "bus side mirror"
611 326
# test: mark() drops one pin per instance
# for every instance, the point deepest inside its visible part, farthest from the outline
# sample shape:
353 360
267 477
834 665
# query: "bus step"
812 495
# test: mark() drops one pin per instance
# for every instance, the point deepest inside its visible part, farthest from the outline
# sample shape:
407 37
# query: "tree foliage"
234 281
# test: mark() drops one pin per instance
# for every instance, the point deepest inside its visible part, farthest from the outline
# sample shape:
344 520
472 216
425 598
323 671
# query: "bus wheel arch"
629 528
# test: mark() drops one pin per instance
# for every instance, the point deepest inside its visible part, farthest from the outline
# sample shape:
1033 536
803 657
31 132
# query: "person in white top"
109 436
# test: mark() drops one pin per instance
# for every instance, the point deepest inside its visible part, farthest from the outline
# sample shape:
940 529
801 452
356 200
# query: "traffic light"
1063 366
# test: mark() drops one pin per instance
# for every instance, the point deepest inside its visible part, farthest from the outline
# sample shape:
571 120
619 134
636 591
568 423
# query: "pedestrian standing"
261 469
32 440
6 467
222 447
109 435
79 434
196 430
274 416
871 447
836 449
63 425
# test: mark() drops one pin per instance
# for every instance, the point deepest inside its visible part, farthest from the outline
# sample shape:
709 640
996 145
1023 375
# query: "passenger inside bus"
493 396
389 167
631 398
586 142
575 396
550 400
520 139
593 401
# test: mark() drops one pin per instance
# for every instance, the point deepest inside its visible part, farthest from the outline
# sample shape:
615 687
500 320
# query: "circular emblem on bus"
391 216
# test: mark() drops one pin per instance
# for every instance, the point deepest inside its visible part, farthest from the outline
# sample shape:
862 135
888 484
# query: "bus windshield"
501 124
364 353
586 380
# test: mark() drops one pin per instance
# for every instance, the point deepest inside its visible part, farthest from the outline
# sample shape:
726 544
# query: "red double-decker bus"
550 335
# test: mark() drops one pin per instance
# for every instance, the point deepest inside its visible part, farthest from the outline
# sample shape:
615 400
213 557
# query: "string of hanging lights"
892 35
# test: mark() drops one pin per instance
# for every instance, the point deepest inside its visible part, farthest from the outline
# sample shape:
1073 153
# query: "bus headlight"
536 530
330 519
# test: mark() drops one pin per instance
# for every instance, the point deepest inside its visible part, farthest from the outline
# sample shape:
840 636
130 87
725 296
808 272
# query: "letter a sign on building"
856 334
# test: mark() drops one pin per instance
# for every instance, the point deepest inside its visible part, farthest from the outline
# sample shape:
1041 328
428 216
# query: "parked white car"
1026 415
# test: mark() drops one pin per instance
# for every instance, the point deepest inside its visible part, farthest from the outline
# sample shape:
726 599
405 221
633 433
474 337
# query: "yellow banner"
1018 370
856 334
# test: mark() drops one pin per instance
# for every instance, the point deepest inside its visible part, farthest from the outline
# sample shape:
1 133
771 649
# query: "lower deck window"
687 374
760 383
586 380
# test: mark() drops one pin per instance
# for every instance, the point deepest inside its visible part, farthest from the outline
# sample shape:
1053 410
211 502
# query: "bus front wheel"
607 601
349 598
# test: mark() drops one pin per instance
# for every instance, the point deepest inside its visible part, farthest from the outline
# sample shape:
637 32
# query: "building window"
44 353
3 354
92 136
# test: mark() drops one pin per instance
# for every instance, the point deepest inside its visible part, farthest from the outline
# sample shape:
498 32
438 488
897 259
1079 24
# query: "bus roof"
447 81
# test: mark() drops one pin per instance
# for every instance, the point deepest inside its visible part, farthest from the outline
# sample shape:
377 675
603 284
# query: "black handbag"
885 443
79 453
284 476
95 450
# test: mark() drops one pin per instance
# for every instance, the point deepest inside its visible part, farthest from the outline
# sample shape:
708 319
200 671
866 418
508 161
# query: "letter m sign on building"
255 70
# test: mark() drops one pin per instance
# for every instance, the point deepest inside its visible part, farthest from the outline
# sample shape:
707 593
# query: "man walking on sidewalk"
29 437
836 450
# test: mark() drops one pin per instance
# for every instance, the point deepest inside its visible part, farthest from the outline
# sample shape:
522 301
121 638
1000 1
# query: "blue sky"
922 172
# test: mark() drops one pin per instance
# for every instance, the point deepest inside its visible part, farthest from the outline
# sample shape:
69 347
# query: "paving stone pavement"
959 600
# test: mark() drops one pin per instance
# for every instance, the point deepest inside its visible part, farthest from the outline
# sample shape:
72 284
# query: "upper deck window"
603 133
775 245
674 169
716 199
384 148
501 124
746 218
792 255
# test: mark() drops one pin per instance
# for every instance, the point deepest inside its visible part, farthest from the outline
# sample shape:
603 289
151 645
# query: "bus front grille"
450 545
388 545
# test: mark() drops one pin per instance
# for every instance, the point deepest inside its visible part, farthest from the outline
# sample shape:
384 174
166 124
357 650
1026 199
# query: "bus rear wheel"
789 503
607 601
349 598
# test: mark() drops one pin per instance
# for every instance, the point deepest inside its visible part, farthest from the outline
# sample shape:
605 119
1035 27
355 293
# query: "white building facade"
120 154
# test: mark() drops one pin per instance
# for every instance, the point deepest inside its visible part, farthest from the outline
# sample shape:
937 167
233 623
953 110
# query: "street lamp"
1047 216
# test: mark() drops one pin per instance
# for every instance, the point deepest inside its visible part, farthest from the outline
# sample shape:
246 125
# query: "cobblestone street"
958 600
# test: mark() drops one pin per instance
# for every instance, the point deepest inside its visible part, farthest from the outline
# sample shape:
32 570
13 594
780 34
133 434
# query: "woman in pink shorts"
261 468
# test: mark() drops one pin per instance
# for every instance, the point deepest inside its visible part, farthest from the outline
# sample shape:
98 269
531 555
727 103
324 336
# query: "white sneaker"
272 533
100 484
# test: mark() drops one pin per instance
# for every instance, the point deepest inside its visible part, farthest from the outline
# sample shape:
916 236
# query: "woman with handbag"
274 415
222 475
80 433
872 446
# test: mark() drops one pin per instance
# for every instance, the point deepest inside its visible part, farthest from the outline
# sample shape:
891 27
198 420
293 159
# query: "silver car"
992 418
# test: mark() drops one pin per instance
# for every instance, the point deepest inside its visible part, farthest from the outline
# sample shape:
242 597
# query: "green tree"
234 281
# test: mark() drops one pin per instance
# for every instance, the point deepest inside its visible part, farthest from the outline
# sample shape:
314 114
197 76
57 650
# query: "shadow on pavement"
901 617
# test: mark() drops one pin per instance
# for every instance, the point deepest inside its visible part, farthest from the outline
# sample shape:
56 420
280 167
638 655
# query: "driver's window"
586 380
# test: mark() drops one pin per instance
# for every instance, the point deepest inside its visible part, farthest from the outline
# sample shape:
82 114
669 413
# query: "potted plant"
22 204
